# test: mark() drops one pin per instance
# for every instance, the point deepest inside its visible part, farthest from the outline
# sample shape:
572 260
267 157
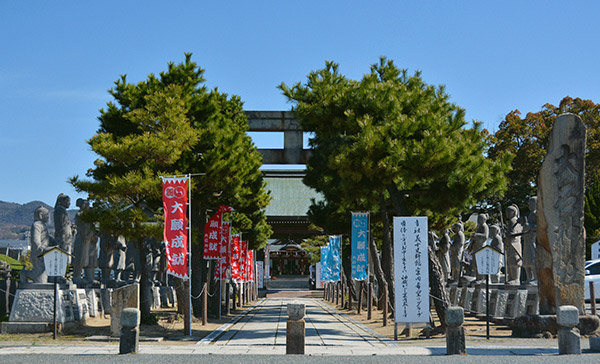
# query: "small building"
288 258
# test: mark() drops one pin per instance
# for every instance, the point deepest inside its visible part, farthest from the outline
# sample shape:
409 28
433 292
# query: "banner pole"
189 333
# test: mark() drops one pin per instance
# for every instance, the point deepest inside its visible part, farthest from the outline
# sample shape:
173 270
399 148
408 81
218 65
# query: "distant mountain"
16 219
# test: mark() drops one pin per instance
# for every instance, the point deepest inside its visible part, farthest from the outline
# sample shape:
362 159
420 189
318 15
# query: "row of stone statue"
80 240
458 262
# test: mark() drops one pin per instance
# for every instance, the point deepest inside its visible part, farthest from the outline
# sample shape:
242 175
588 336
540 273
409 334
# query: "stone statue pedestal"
33 307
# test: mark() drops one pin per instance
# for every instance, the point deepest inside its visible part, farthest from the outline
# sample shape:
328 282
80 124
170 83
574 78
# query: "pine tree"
393 144
166 125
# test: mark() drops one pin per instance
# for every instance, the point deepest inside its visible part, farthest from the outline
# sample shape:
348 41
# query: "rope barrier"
7 292
200 294
214 292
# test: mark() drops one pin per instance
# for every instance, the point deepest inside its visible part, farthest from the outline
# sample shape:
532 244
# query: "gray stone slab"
501 303
469 299
124 297
37 305
25 327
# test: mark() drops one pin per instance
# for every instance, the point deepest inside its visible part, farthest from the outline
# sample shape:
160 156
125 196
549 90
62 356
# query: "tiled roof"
290 197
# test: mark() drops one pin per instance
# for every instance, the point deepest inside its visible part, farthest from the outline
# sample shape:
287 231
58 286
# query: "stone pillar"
569 341
455 333
560 251
124 297
130 332
294 343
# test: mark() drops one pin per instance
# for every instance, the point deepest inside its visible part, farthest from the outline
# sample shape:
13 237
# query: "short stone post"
294 343
569 341
130 332
455 332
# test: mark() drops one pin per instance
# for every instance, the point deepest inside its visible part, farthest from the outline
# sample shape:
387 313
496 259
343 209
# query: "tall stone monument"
560 252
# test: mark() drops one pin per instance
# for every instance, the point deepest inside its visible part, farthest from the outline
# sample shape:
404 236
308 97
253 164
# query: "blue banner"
325 266
335 244
360 236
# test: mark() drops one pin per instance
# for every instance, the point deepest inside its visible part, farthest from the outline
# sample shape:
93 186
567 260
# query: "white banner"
260 273
411 270
318 282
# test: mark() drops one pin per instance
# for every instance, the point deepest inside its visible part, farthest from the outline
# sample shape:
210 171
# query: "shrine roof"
290 196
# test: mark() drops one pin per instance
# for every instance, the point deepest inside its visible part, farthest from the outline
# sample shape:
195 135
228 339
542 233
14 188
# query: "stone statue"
530 241
85 248
40 241
157 249
443 253
64 231
105 258
112 256
133 268
560 251
119 257
456 250
478 239
512 246
497 243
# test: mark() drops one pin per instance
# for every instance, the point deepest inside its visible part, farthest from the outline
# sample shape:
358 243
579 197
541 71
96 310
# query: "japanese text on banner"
335 252
212 233
360 235
411 270
175 232
223 260
243 256
235 257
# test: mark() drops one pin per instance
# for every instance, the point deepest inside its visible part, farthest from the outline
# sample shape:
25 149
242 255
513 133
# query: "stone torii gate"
280 121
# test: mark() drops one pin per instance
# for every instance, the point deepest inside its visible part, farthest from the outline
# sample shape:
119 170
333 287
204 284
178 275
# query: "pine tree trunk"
213 289
387 252
382 283
349 282
145 286
437 287
180 292
198 262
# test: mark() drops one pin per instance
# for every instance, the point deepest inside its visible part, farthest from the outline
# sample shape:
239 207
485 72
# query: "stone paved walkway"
265 326
261 329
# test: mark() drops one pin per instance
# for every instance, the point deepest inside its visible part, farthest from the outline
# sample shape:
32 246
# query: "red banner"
251 265
175 232
222 262
243 264
235 257
212 233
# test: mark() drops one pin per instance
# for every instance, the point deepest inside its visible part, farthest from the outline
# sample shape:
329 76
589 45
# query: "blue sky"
59 58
